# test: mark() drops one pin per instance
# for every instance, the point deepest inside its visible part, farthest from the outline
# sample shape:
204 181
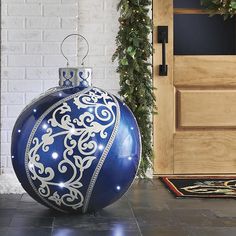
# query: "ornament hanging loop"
63 54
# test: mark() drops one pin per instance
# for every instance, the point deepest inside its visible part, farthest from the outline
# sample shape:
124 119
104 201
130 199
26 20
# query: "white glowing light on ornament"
100 147
61 185
72 131
132 128
118 188
12 157
90 109
45 126
31 165
55 155
19 131
60 94
34 110
129 158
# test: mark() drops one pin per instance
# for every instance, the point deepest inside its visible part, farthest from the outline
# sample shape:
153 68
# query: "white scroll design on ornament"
102 159
78 136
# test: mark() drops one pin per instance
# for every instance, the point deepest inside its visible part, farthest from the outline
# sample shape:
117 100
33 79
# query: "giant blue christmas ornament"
76 147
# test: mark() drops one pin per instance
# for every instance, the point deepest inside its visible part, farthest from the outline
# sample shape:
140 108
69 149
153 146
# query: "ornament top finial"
63 54
75 76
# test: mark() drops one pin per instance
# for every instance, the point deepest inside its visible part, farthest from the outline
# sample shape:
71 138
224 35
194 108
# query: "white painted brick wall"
31 34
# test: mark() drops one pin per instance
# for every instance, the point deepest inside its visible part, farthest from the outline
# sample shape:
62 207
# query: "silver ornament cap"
75 76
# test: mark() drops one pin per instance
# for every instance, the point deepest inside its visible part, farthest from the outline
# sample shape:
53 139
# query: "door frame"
164 121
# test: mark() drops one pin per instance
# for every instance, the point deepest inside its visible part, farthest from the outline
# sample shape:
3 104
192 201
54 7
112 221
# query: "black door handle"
163 39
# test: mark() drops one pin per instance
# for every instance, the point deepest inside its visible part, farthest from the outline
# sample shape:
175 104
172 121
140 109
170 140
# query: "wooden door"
195 129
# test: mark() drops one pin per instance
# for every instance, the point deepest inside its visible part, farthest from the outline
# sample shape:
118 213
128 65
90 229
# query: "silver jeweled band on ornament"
102 159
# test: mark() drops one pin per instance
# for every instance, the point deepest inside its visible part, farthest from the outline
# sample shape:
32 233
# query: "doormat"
201 187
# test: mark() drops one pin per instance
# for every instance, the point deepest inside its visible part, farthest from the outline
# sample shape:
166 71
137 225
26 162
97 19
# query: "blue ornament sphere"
76 149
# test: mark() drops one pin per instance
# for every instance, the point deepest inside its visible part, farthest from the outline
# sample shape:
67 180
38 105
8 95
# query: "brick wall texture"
31 33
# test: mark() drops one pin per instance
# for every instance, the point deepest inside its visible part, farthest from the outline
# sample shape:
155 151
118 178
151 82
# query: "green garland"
134 52
227 8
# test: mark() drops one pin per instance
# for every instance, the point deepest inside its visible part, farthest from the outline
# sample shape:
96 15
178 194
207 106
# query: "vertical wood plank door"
195 129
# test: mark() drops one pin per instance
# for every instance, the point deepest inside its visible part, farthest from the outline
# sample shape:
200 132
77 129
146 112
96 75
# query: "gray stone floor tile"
78 232
29 231
211 231
29 221
148 209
